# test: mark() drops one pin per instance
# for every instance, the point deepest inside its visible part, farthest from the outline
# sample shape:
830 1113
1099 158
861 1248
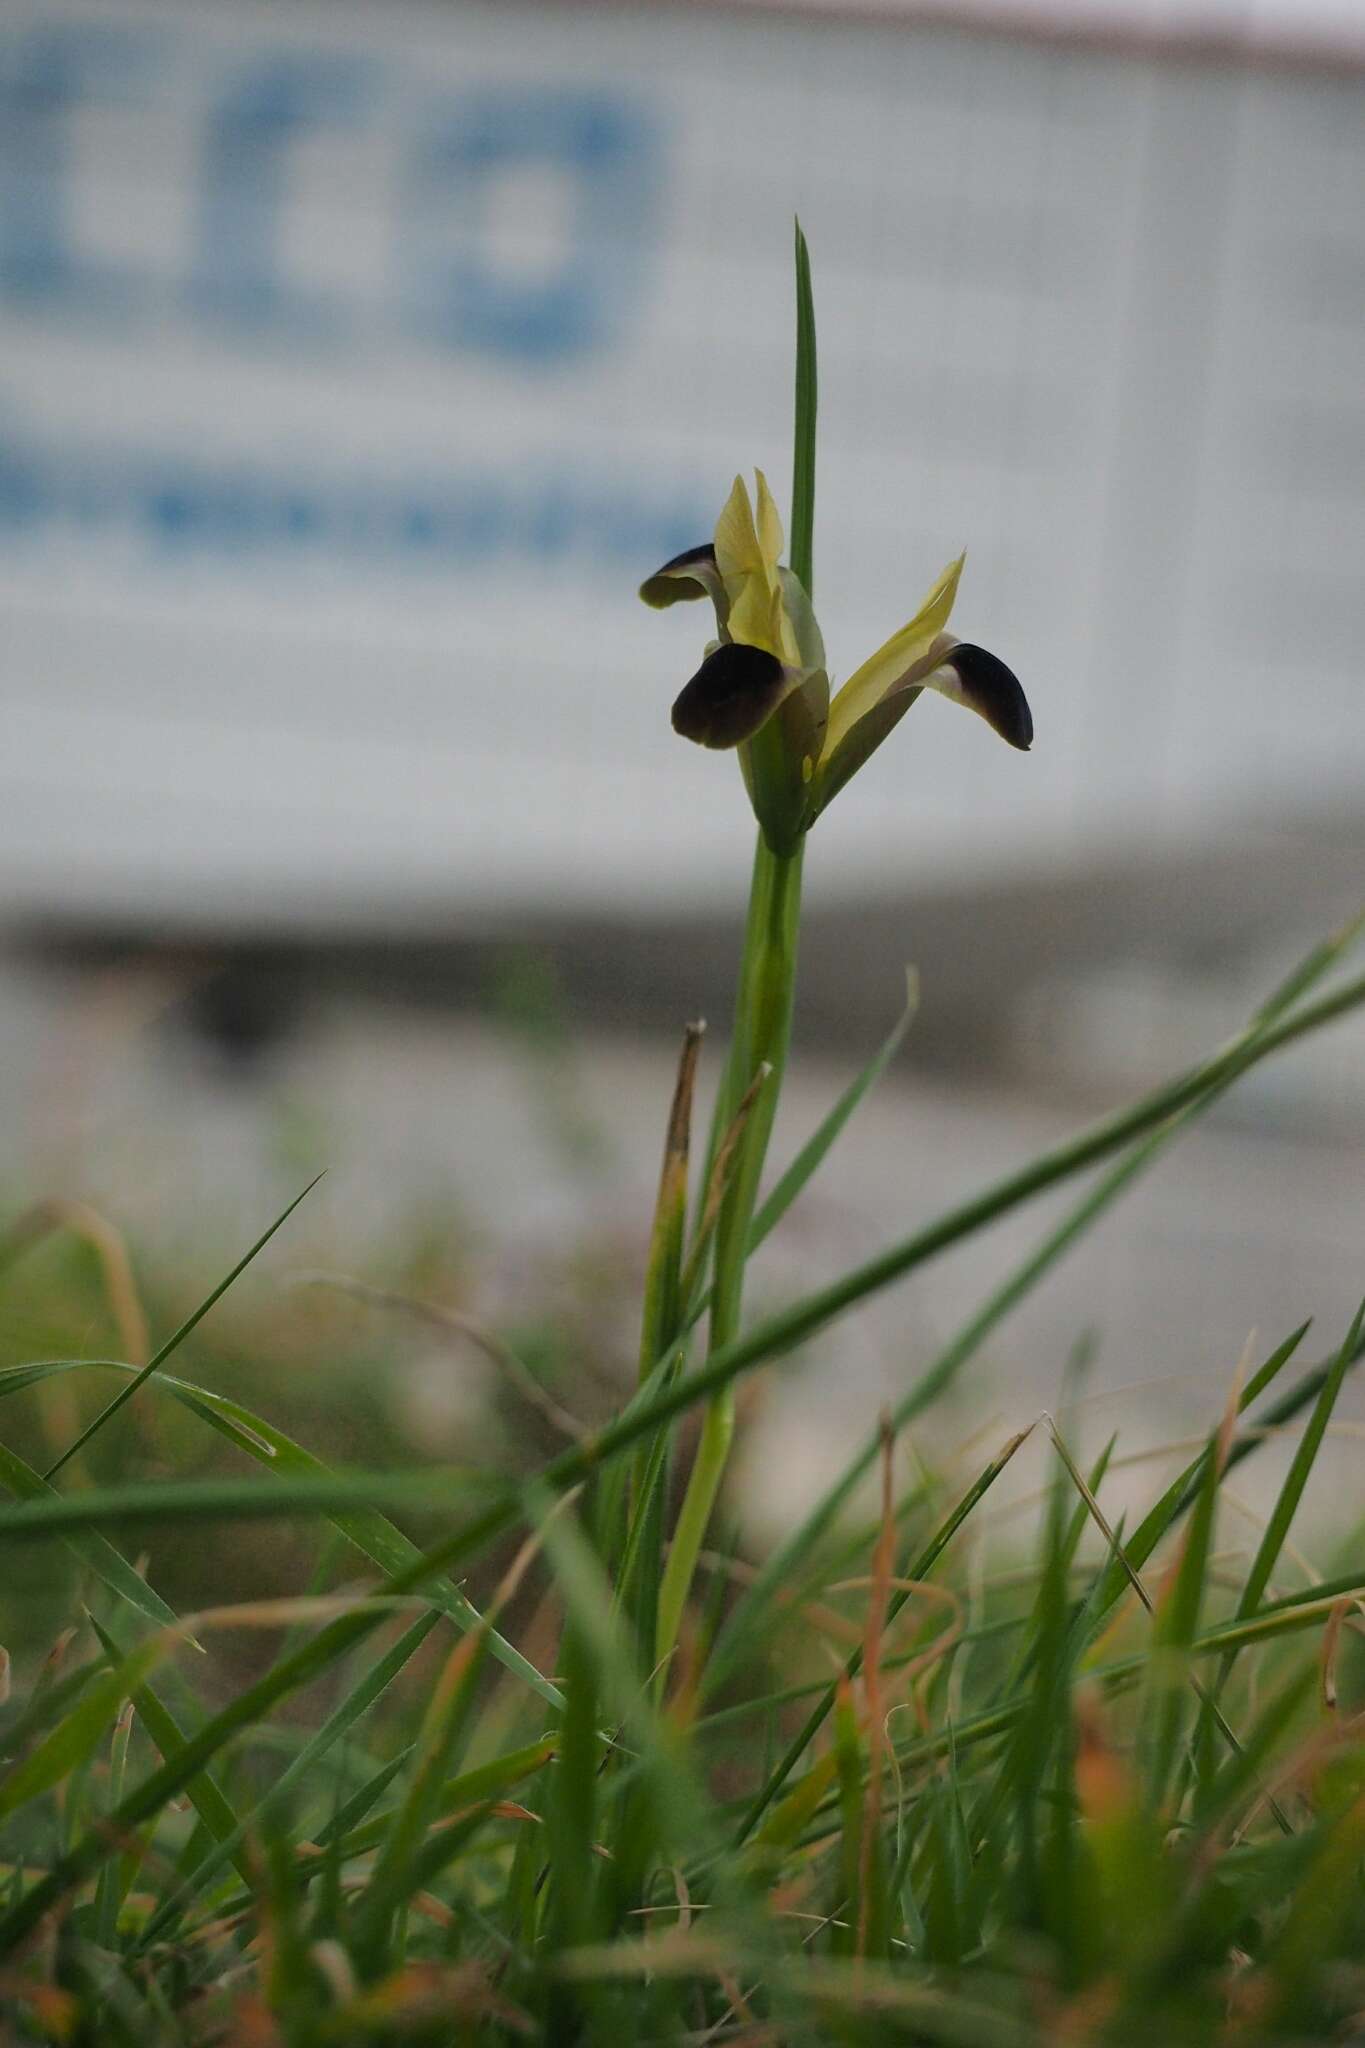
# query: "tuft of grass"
1117 1794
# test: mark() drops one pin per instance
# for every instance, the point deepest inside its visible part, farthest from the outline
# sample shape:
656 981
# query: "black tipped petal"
734 691
691 574
994 691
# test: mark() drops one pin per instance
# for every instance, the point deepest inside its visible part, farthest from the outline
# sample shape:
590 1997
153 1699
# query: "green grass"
889 1786
303 1753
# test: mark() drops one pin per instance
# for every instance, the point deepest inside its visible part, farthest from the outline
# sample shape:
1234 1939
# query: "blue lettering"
174 506
45 77
245 185
458 289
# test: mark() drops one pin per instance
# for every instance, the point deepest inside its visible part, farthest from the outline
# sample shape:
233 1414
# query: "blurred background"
356 363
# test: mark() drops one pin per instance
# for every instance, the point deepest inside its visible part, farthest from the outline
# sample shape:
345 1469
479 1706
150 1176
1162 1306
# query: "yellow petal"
769 524
867 686
750 577
756 615
737 550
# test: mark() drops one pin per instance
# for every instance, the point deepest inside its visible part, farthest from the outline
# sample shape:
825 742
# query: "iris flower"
764 689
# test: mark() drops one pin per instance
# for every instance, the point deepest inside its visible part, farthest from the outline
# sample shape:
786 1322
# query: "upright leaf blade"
1296 1479
803 435
174 1342
94 1550
813 1152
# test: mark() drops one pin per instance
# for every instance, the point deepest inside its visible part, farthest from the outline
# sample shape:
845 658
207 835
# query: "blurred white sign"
1297 28
357 362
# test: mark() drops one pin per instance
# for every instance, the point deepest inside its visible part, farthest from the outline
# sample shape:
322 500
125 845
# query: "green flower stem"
763 1017
763 1014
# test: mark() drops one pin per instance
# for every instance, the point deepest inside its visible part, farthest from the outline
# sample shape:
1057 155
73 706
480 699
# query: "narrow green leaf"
1242 1774
205 1794
240 1500
1274 1535
587 1595
76 1737
173 1343
1185 1489
372 1535
1046 1722
784 1331
86 1855
443 1722
115 1876
817 1146
1291 1493
921 1567
93 1550
1301 977
803 431
1177 1624
338 1724
485 1781
49 1700
784 1562
848 1756
663 1306
571 1811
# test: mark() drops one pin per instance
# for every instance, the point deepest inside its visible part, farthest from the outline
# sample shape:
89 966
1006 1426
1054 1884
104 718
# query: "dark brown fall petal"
691 574
733 692
994 691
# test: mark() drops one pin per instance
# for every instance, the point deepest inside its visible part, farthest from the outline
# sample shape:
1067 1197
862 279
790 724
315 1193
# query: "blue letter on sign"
466 284
46 77
246 183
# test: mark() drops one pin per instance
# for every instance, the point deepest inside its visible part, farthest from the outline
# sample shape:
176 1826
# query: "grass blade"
1184 1490
95 1551
239 1500
372 1535
80 1732
173 1343
663 1306
920 1569
115 1877
817 1146
1177 1624
1296 1479
803 428
204 1792
338 1723
782 1332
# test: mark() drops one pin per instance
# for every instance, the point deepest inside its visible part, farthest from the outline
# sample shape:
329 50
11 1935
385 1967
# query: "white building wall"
356 362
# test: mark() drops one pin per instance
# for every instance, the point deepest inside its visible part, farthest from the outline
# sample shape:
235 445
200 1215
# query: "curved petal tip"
686 576
993 690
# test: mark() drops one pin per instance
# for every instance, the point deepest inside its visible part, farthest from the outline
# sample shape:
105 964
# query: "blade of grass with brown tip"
1252 1044
920 1569
663 1293
640 1515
